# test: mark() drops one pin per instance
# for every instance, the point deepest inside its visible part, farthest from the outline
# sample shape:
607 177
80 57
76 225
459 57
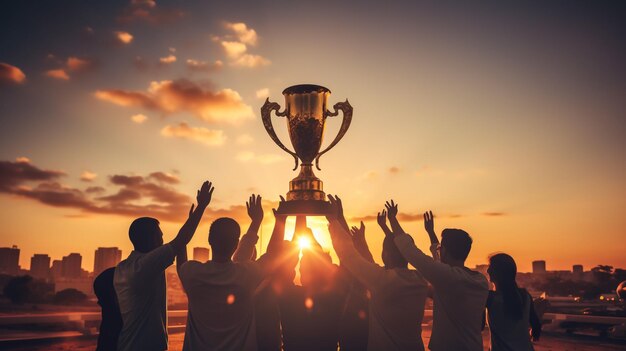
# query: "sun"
304 242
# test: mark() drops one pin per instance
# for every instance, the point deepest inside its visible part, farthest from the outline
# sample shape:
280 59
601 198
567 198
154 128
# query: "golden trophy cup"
306 112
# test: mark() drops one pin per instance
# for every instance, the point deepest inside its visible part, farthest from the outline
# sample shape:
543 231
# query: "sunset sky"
508 122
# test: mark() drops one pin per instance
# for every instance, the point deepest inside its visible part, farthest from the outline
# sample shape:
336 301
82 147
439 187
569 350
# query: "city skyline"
504 120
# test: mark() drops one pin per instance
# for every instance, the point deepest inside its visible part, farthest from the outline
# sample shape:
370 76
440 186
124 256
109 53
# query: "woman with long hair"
510 309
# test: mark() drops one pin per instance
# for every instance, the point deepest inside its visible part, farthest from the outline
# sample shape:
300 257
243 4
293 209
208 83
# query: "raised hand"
255 211
358 233
381 218
204 194
279 216
392 209
429 222
336 208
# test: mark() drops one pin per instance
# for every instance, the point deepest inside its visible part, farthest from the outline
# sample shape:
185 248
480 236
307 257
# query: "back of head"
145 234
456 243
502 271
224 236
392 258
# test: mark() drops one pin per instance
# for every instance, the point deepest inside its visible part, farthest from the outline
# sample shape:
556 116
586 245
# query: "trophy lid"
305 89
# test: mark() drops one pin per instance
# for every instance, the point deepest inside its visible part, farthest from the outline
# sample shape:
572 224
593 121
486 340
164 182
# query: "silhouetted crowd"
238 301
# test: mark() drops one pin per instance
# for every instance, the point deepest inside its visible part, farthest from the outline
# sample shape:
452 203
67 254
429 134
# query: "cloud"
249 156
167 59
14 174
234 49
183 95
128 195
244 139
244 34
123 38
139 118
251 61
262 93
58 74
494 214
87 176
394 170
203 66
198 134
11 74
77 64
147 11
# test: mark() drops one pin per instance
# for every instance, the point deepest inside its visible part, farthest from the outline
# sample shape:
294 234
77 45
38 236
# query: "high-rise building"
106 257
539 266
40 266
56 270
9 260
201 254
577 268
71 265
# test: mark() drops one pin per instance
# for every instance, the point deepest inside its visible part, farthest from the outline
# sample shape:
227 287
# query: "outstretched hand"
381 218
255 211
204 194
429 222
279 216
336 208
358 233
392 209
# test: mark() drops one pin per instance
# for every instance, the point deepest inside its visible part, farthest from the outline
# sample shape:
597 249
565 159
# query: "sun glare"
304 242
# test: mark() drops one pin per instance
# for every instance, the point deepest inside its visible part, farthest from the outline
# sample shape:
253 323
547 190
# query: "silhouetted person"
510 309
310 314
111 323
397 293
221 291
459 293
140 279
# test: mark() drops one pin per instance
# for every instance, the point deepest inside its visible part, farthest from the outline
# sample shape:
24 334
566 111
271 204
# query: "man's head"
224 237
455 245
392 258
145 234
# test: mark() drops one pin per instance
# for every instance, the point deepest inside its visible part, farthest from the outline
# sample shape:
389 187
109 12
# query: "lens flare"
304 242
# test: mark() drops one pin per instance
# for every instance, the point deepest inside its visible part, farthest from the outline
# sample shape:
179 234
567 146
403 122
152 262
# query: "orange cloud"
88 176
167 59
251 61
58 74
78 64
11 74
138 118
167 96
234 49
203 66
147 11
249 156
244 34
202 135
394 170
122 37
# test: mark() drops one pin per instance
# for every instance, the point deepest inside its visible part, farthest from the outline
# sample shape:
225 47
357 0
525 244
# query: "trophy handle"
346 108
266 115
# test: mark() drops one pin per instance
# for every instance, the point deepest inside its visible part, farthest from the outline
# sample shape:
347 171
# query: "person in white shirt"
139 280
459 295
397 293
221 291
510 309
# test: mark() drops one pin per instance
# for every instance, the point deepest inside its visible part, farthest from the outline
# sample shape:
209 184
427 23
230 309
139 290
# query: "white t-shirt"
459 300
139 283
221 305
397 300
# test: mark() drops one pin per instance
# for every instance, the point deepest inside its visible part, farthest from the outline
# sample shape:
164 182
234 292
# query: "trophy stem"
306 186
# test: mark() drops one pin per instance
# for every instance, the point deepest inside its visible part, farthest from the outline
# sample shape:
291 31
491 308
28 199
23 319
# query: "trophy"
306 112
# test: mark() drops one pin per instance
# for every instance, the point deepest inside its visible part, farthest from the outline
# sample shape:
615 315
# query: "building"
9 260
40 266
201 254
577 269
106 257
56 270
71 265
539 266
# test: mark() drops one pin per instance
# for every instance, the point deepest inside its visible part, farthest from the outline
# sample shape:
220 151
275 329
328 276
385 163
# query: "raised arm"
358 239
278 234
381 218
392 213
429 225
179 243
245 249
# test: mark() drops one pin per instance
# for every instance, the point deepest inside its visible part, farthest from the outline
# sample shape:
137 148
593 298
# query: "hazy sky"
508 122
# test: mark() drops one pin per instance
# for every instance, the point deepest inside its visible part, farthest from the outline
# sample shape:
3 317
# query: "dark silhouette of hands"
204 194
336 208
358 233
392 209
429 222
255 211
381 218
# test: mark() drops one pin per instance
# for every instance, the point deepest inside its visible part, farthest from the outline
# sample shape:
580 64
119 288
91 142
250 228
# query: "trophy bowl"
306 112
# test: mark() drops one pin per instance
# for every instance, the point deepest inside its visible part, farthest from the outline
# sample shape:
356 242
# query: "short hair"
456 242
224 235
141 231
392 257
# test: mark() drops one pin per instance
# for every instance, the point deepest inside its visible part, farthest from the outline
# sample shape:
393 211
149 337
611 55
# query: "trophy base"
304 207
